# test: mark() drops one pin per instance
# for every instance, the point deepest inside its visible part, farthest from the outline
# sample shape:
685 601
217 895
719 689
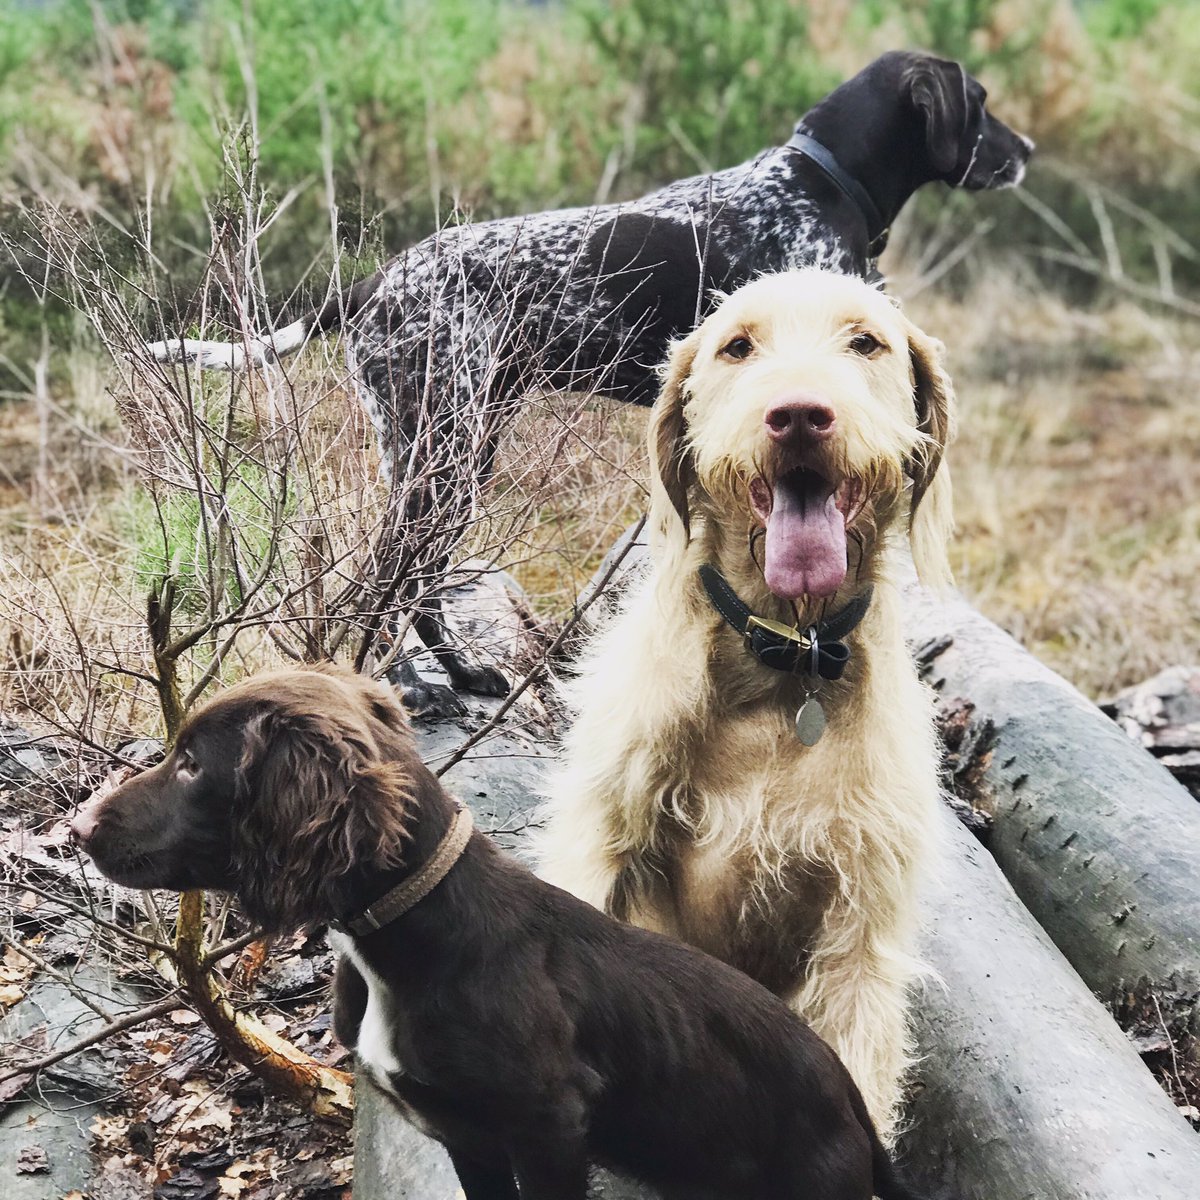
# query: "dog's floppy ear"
315 801
938 90
671 468
931 513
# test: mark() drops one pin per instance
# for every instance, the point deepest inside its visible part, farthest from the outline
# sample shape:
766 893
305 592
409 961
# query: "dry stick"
1171 1046
118 1025
323 1091
42 965
951 259
1140 291
538 668
225 949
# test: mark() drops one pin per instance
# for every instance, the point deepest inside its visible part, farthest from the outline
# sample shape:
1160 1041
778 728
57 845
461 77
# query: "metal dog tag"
810 721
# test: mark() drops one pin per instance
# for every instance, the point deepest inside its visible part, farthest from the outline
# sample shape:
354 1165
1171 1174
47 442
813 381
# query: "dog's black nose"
800 419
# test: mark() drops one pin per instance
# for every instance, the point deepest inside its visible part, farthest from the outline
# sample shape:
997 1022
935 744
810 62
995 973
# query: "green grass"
172 535
501 107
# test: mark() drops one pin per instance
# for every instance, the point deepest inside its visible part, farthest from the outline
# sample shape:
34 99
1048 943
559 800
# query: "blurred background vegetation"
494 106
1069 307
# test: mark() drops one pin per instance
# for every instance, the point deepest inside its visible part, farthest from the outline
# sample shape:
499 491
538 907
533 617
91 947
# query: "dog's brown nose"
83 824
800 419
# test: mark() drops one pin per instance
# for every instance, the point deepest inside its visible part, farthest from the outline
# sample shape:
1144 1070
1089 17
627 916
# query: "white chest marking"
376 1050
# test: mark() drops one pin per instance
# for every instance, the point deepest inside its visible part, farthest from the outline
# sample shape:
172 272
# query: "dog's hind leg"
437 451
422 698
468 676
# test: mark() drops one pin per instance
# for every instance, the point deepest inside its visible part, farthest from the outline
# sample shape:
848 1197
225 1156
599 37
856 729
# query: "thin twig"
118 1025
42 965
90 917
225 949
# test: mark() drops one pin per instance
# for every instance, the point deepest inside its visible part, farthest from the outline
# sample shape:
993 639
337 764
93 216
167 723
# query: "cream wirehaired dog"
771 801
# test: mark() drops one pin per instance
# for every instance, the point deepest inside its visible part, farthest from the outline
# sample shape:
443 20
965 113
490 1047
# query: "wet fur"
685 802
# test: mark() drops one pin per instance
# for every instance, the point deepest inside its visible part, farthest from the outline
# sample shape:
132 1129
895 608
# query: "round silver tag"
810 721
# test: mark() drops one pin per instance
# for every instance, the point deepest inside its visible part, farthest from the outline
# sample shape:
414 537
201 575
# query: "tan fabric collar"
415 888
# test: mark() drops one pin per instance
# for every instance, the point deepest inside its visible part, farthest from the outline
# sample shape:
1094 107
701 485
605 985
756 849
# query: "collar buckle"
819 651
778 629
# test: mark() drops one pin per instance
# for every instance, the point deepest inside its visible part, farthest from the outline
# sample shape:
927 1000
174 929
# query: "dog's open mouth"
805 515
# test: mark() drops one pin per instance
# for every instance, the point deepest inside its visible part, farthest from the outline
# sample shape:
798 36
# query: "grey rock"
142 751
57 1111
56 1119
51 1005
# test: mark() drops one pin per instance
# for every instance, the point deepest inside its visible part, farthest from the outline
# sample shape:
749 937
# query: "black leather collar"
817 651
877 231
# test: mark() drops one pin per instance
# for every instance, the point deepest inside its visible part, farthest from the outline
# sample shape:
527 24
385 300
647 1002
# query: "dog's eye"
738 348
866 344
185 763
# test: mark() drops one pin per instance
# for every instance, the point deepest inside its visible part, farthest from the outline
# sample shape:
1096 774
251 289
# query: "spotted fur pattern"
581 299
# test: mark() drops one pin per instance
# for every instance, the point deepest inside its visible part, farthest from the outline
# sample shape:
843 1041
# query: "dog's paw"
432 701
483 681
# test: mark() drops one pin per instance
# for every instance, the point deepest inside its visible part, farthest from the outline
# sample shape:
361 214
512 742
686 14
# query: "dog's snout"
802 418
84 823
1028 142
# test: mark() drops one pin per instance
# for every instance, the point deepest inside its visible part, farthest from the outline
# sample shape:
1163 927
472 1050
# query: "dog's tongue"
806 538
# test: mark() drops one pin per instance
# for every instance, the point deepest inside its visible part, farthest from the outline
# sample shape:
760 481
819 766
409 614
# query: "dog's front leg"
349 1002
482 1182
856 997
574 854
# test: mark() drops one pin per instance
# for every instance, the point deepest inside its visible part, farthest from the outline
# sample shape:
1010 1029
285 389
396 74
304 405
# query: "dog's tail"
262 350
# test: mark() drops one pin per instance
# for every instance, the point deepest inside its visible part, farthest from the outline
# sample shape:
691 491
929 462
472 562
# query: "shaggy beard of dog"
686 803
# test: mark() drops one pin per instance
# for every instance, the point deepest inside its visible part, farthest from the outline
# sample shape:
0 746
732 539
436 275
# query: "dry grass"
77 532
1077 494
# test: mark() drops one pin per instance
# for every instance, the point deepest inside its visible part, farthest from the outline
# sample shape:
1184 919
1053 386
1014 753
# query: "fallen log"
1096 837
1026 1087
1027 1090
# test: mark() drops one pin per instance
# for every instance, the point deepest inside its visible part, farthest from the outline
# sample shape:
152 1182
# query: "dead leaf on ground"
232 1186
14 966
32 1160
110 1133
16 971
211 1109
120 1180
